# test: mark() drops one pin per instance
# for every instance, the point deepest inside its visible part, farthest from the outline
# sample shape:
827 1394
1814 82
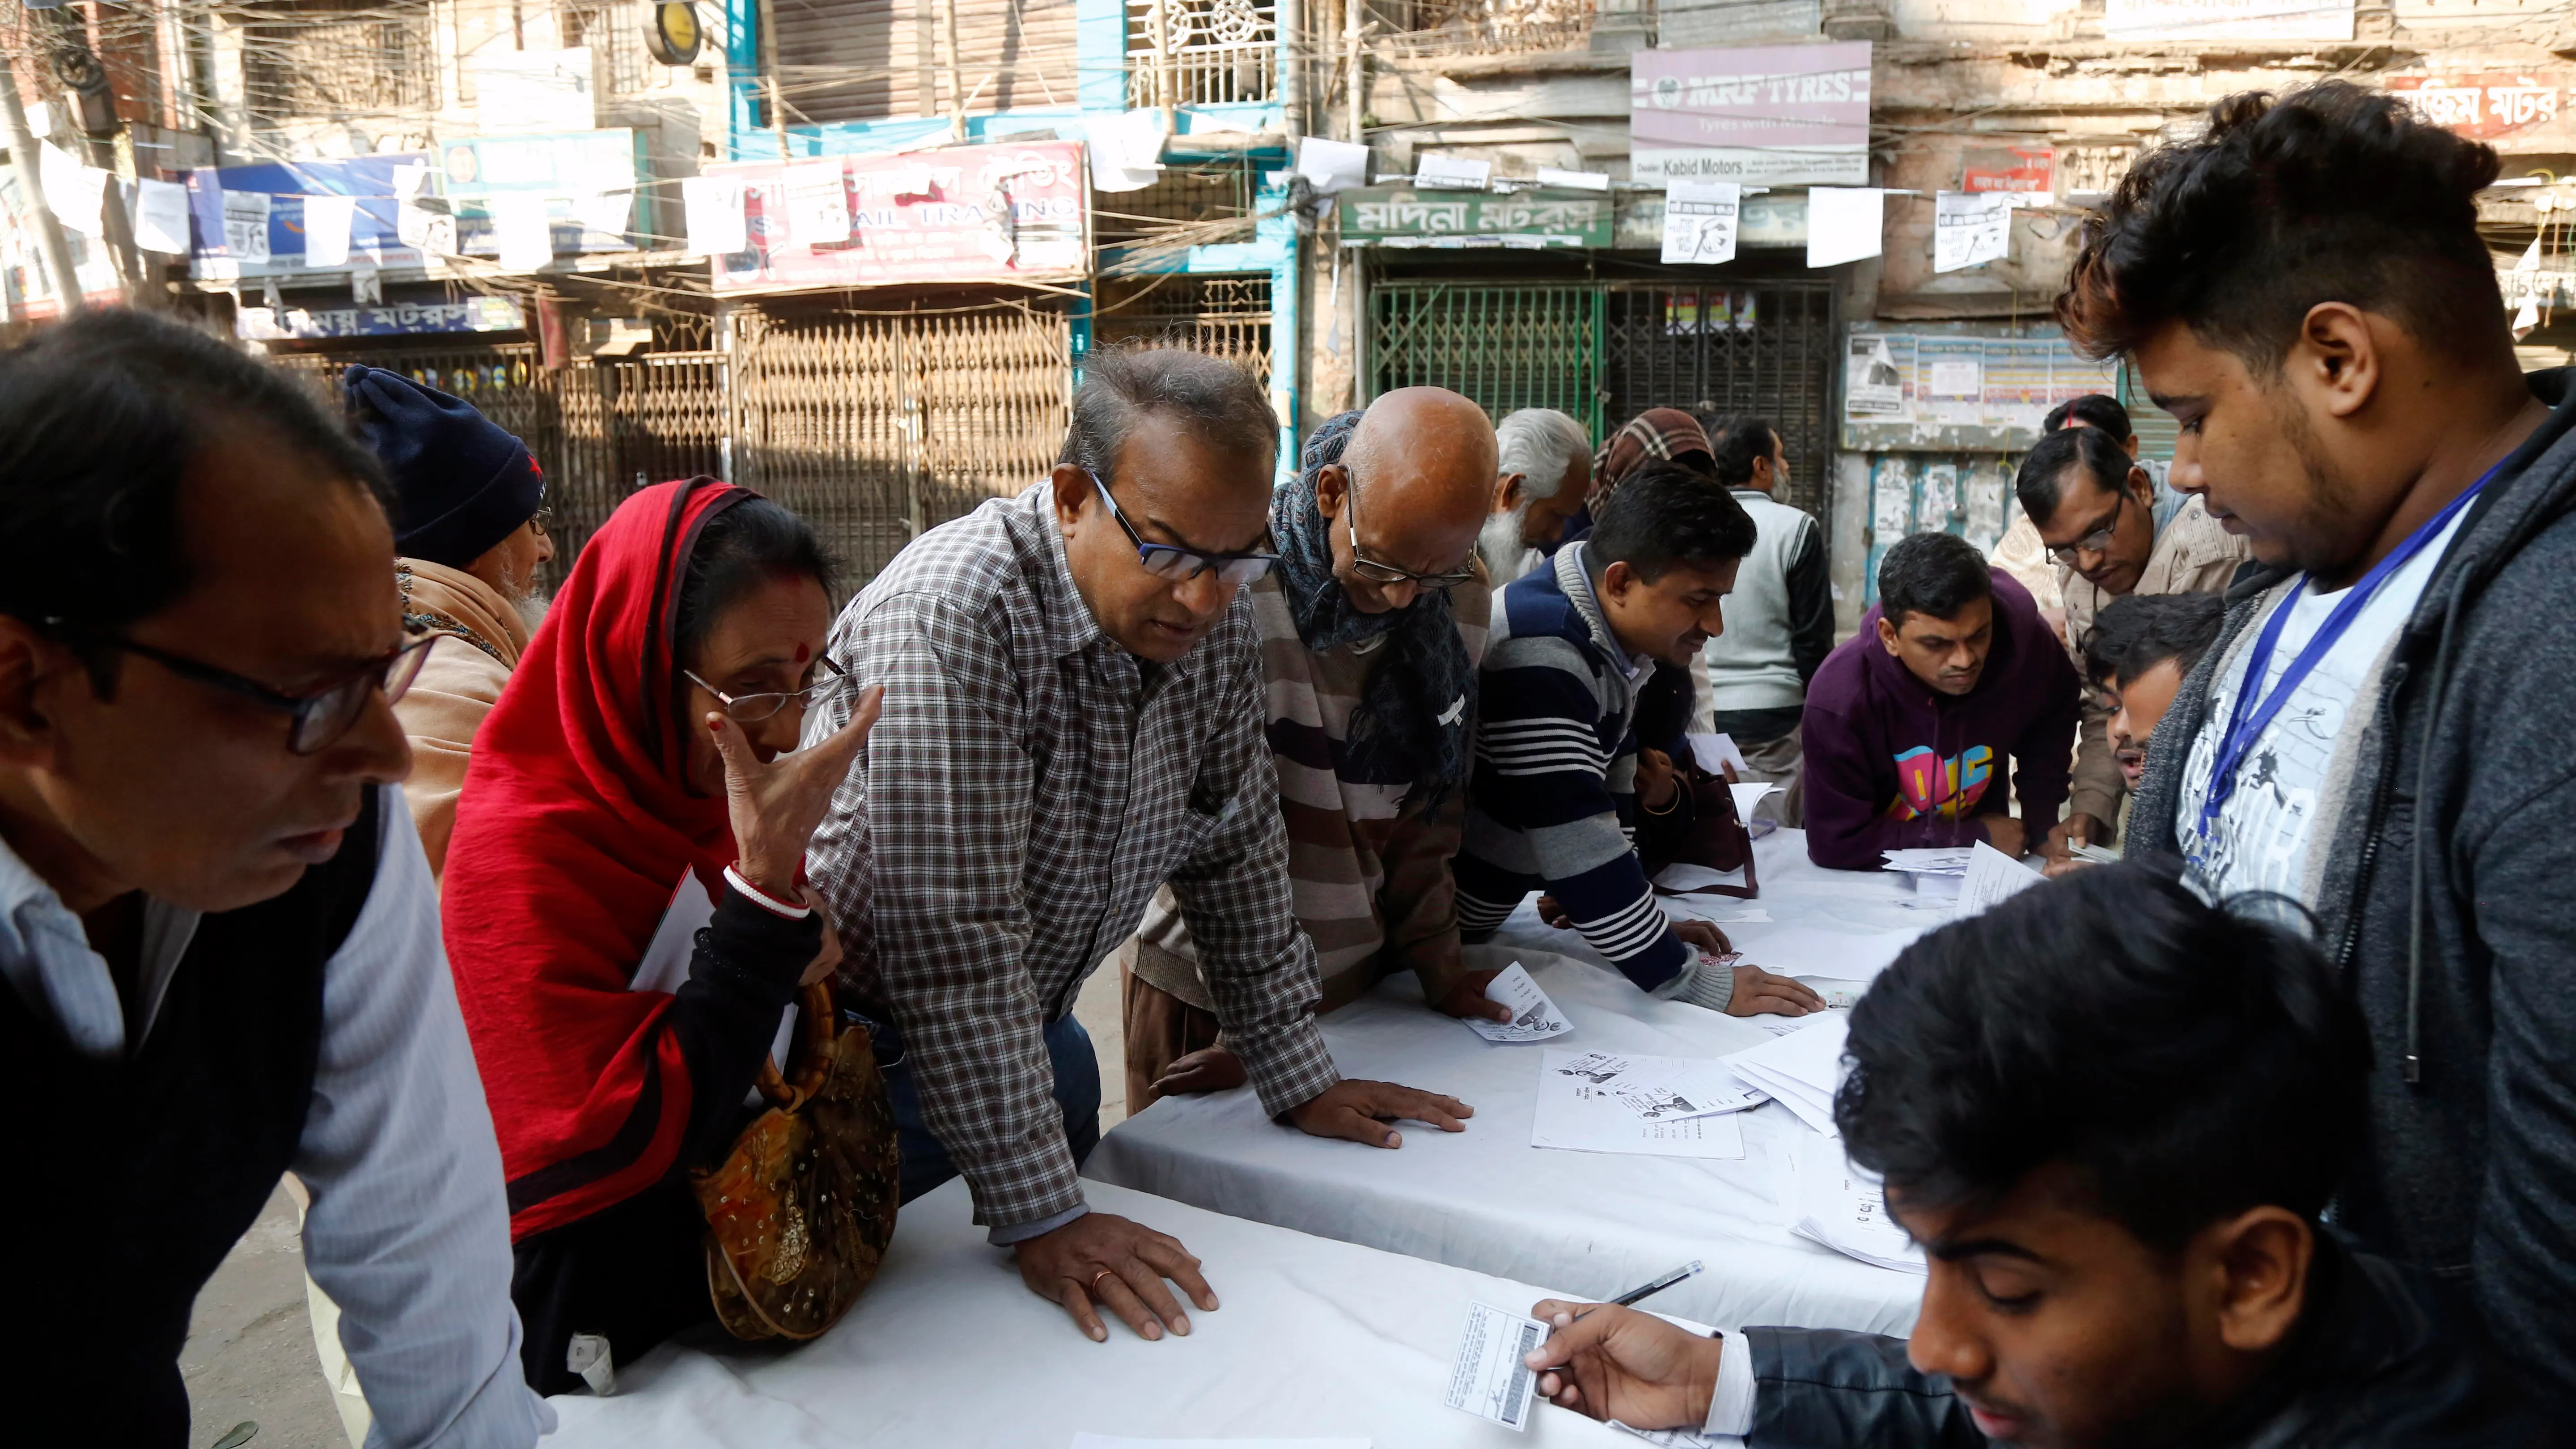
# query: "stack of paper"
1803 1070
1992 879
1834 1203
1652 1106
1934 870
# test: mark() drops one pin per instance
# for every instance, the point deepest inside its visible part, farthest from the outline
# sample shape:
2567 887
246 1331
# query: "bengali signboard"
1400 216
399 319
2227 19
958 214
2509 106
1772 115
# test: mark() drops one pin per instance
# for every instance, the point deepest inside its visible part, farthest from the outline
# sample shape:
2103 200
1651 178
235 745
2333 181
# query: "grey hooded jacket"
2443 873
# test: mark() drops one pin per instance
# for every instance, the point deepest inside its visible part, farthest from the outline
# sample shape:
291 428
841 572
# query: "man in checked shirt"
1073 716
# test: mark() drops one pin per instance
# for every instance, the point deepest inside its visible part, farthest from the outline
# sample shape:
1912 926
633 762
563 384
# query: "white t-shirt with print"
2259 841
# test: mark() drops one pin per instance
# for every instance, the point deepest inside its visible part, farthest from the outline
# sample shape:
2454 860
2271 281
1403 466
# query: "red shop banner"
958 214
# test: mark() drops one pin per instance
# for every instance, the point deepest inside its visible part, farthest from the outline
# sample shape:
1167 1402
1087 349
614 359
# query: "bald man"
1371 630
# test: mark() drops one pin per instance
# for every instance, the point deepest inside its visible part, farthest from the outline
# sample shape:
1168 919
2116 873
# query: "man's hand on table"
1618 1363
2076 829
1466 997
1360 1110
1209 1069
1120 1263
1759 993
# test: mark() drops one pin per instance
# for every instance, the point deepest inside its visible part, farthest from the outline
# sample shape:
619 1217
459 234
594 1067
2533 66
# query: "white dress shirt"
408 1231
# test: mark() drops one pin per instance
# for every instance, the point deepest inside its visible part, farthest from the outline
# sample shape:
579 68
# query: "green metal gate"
1607 351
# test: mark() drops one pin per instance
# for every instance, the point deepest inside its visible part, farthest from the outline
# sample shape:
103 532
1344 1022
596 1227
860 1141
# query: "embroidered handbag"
801 1211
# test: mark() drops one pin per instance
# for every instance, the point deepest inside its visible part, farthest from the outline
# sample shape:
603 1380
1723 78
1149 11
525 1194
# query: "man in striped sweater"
1370 630
1562 786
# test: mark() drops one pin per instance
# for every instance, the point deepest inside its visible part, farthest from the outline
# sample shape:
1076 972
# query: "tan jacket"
1371 870
458 685
2193 555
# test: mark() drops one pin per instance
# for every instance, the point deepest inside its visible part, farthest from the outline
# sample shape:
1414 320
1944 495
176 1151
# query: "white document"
1574 180
1717 753
1121 1441
74 192
605 211
1951 858
327 222
1832 1202
1835 1001
712 206
1332 166
1834 955
522 228
818 203
1492 1379
1844 223
1126 150
1747 796
1683 876
1699 220
1455 172
1577 1114
1656 1089
1802 1070
161 216
1969 228
1716 910
1992 879
1534 1017
246 225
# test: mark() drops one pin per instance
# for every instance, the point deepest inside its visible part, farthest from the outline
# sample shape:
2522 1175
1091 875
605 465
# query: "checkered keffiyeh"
1657 434
1037 785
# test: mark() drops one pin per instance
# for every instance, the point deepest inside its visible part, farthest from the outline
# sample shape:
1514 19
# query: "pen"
1634 1296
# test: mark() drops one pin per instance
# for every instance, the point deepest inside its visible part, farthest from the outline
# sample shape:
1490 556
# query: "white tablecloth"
946 1348
1486 1200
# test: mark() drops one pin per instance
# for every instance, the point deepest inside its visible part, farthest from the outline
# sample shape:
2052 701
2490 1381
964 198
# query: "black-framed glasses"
1386 573
829 679
2099 539
1170 561
317 717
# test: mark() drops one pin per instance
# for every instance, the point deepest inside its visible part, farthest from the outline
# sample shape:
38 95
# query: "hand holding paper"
1534 1017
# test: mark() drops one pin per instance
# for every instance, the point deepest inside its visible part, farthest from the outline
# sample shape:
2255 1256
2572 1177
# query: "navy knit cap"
462 484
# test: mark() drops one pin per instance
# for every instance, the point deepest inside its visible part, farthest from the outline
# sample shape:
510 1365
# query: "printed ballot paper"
1591 1103
1534 1017
1992 879
1802 1070
1493 1378
1830 1201
1834 955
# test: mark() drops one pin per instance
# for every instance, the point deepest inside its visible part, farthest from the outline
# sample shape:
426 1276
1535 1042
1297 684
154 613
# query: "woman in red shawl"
626 914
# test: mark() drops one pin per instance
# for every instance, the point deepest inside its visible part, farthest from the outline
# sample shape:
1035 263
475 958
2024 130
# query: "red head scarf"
1656 433
575 825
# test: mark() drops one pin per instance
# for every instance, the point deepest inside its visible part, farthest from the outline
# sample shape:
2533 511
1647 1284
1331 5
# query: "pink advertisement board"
958 214
1761 115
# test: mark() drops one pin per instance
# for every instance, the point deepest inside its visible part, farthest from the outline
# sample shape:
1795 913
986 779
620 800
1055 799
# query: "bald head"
1422 462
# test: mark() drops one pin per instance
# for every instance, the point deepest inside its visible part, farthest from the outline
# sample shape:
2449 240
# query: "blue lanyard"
2248 718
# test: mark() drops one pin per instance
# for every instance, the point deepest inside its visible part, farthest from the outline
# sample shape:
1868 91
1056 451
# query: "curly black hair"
2328 193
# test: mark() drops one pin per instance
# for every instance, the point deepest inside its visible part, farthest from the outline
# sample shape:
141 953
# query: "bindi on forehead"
802 653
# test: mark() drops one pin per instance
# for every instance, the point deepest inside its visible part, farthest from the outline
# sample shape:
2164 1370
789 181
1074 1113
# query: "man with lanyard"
2379 732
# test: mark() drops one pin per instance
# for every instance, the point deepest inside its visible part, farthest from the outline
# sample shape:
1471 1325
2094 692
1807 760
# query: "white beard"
532 610
1499 544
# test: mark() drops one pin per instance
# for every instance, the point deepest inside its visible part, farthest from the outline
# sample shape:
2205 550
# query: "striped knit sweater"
1371 879
1553 803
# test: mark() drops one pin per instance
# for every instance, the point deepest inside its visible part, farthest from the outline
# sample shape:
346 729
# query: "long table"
1486 1200
1314 1339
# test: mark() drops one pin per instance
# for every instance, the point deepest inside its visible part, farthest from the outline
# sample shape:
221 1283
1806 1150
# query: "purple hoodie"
1891 762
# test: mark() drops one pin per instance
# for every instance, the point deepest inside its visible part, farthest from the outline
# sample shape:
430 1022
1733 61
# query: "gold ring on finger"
1096 1277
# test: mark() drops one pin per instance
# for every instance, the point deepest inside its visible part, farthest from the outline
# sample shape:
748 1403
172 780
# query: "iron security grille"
1226 317
1508 346
1745 349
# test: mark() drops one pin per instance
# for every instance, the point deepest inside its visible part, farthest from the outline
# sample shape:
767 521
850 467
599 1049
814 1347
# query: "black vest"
135 1177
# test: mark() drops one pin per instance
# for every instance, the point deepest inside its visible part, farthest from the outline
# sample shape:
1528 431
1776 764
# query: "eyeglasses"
829 678
541 522
1387 573
2097 541
1169 561
318 718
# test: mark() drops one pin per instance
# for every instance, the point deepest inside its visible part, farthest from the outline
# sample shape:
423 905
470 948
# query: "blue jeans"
925 1160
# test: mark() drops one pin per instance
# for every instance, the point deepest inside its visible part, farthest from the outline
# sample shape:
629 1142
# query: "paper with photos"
1534 1017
